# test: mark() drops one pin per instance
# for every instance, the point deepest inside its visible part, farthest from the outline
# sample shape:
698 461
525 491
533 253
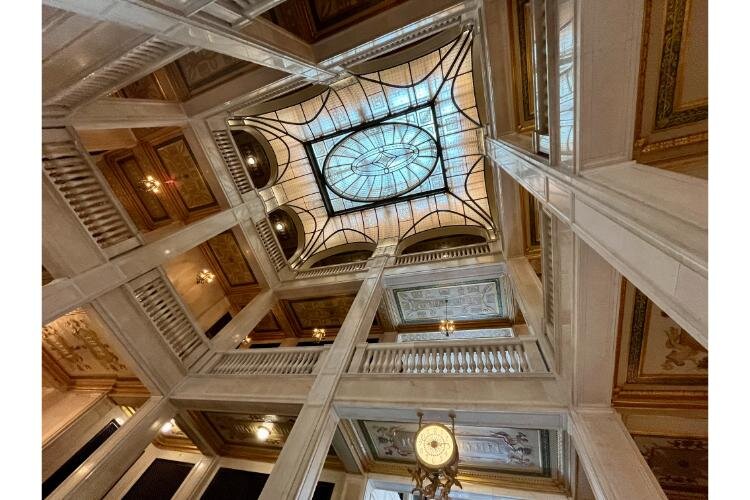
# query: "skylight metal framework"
430 98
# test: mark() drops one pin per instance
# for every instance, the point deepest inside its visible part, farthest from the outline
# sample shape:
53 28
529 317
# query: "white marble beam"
614 466
192 31
118 113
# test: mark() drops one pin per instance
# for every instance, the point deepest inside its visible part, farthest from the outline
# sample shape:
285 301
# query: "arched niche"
289 230
340 254
442 238
257 155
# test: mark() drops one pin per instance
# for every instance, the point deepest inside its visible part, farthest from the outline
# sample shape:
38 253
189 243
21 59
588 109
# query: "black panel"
312 343
216 327
78 458
161 480
269 345
323 491
231 484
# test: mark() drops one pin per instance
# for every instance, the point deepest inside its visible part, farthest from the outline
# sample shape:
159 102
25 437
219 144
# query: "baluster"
376 355
470 363
410 361
502 359
522 357
395 360
367 361
509 359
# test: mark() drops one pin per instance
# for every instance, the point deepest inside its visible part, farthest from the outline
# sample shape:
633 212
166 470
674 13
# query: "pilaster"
296 471
614 466
113 458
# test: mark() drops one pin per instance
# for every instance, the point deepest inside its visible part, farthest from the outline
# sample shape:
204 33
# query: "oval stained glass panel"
380 162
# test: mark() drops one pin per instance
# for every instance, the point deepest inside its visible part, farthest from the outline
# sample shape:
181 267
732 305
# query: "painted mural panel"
524 451
470 300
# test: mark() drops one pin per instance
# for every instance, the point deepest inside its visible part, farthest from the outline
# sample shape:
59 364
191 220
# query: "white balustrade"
166 311
132 65
505 357
233 162
319 272
278 361
271 243
73 174
442 254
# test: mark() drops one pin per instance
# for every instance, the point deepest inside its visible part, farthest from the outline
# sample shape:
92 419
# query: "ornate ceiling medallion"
380 162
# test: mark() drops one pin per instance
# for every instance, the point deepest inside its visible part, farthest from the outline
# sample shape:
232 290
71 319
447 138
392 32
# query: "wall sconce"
204 277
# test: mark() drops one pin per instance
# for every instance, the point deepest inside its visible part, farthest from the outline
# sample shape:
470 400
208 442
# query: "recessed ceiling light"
167 428
279 226
262 433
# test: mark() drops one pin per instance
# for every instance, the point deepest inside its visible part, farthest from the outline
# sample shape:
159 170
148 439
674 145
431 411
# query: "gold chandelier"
319 334
150 184
447 326
436 454
204 277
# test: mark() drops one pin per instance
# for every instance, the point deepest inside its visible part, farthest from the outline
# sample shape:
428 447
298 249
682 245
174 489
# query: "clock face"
435 446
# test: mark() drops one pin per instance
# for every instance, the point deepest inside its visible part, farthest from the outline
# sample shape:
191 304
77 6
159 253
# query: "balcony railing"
232 161
166 311
279 361
320 272
443 254
505 357
70 170
271 244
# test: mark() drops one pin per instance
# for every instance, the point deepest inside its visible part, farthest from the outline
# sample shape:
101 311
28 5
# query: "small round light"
250 160
279 226
262 433
167 428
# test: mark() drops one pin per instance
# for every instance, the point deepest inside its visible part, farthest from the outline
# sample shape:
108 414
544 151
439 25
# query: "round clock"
435 446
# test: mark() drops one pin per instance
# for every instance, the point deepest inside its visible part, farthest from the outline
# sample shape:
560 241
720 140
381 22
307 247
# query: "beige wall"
206 302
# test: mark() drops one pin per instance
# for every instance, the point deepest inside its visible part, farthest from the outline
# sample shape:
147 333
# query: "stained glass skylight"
385 154
393 157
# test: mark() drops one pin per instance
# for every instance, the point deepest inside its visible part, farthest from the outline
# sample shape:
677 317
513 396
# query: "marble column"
298 467
614 466
114 457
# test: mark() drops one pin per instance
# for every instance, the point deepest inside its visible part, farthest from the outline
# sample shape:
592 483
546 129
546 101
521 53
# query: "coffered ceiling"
167 155
313 20
661 389
76 355
672 120
658 364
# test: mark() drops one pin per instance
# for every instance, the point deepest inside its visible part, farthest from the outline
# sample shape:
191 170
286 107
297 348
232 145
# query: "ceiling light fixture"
250 159
204 277
150 184
262 432
279 226
167 427
447 326
319 334
436 451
